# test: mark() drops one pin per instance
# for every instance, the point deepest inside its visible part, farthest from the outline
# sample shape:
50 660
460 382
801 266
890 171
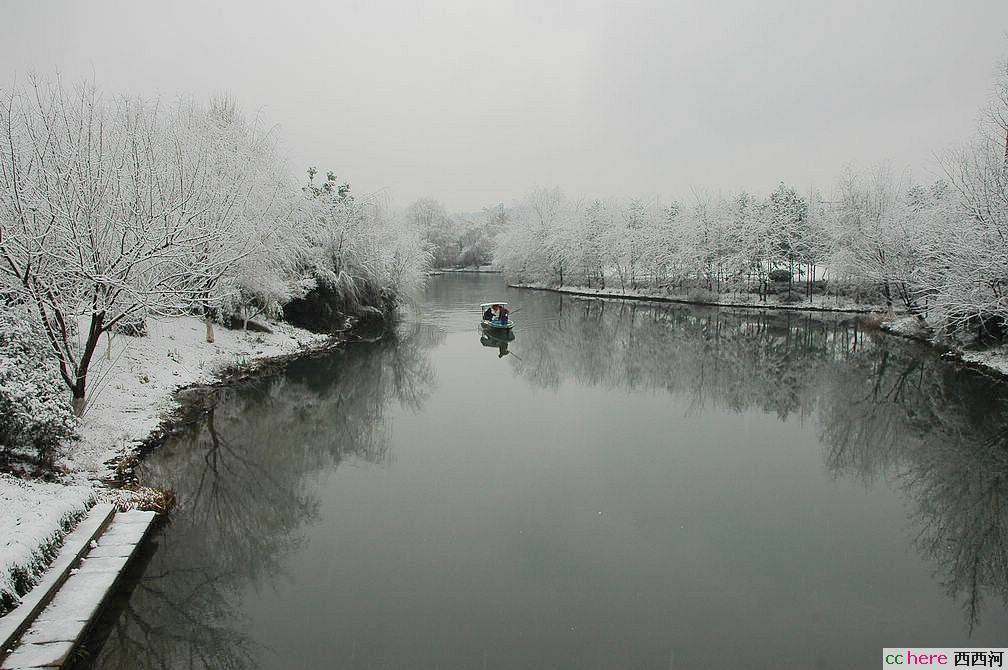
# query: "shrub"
702 295
780 274
34 412
872 321
133 325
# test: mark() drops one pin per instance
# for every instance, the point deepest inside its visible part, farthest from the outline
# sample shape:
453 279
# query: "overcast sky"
475 102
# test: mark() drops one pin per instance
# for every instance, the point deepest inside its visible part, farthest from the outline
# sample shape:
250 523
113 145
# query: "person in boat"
488 315
502 314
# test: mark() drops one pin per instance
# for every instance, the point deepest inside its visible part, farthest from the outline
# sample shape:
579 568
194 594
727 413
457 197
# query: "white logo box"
953 657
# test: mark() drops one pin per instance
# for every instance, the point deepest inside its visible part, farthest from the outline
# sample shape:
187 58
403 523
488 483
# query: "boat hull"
497 325
496 338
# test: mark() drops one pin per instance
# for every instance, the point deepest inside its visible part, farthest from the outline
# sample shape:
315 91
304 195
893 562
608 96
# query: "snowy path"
52 620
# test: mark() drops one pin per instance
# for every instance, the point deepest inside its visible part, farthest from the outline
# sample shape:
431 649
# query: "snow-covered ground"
130 391
993 359
910 326
34 518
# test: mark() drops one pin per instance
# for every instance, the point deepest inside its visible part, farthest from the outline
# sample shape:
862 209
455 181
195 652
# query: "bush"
702 295
779 275
776 288
34 412
133 325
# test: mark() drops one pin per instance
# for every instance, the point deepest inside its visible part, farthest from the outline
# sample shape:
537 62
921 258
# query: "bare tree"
103 213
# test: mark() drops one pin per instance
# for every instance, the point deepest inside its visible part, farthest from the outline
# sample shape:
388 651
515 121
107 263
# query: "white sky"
475 102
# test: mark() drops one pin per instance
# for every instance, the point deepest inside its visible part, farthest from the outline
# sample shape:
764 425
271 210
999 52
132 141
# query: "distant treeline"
939 249
456 240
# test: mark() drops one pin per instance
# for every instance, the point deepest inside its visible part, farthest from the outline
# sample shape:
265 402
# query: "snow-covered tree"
879 237
789 221
102 208
359 258
440 231
538 244
244 208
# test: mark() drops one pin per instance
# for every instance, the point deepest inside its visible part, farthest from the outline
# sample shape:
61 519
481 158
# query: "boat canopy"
484 305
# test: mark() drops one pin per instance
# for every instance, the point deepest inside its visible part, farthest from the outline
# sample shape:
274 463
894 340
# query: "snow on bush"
34 413
912 326
355 256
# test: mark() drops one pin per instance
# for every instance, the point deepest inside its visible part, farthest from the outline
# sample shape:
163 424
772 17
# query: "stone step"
76 543
60 626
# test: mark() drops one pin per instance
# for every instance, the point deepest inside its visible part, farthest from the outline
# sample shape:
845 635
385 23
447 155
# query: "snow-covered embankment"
133 388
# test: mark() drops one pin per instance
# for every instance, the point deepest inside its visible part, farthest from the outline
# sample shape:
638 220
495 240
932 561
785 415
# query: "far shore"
819 303
992 361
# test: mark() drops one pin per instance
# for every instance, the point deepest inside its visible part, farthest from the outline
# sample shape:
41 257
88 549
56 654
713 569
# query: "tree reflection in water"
886 407
242 497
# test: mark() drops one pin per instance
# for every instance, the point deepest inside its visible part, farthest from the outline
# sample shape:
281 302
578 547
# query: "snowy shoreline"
483 269
992 361
818 303
134 393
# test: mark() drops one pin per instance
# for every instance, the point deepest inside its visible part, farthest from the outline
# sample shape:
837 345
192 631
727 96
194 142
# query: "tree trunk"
209 327
888 298
80 375
790 279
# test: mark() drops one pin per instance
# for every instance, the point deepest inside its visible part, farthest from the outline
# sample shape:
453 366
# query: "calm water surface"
629 486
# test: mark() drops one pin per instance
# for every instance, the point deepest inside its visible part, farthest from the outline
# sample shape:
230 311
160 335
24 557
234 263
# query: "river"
624 485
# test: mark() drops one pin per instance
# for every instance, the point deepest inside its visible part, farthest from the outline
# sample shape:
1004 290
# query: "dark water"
630 486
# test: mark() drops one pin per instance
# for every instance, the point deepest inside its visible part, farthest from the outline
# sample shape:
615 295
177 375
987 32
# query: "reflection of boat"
497 339
495 325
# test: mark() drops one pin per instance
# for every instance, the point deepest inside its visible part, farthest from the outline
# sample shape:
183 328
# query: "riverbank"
818 303
133 390
993 361
482 269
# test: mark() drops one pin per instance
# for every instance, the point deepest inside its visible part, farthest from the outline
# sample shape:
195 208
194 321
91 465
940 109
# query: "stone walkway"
52 620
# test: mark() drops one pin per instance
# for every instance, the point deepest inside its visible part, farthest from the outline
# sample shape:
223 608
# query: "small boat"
495 324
